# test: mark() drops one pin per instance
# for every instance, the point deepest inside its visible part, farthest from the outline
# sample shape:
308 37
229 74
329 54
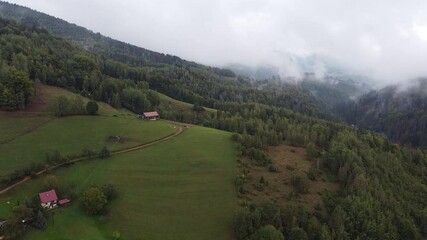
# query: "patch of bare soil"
260 183
116 139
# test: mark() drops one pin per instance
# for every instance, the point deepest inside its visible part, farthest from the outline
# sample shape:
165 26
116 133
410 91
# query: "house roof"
151 114
64 201
48 196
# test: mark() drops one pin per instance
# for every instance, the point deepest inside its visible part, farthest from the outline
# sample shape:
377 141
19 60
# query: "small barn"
49 199
151 115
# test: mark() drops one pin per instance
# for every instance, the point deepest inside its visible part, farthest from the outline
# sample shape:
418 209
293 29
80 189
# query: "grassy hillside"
179 105
40 110
70 135
179 189
39 132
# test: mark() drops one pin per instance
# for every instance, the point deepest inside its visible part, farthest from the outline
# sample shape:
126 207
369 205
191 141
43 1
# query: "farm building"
49 199
151 115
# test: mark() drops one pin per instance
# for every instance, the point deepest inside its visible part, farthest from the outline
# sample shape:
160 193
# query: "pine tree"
40 222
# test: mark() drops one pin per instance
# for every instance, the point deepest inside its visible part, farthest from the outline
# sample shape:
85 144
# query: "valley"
102 139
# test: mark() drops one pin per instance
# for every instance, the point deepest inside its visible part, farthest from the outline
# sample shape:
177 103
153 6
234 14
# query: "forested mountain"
180 79
335 85
398 111
383 185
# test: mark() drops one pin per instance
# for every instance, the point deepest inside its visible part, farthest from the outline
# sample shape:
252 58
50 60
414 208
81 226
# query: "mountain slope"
170 75
400 113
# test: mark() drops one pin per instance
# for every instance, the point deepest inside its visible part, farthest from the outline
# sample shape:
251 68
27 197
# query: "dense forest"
383 184
180 79
398 111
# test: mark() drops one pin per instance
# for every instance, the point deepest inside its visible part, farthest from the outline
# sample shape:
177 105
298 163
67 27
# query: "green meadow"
178 189
70 135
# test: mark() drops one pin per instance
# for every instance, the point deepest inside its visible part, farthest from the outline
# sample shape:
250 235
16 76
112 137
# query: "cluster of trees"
21 218
65 106
265 220
16 88
95 199
31 213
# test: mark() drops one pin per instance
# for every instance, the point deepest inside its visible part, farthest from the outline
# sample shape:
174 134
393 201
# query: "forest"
383 184
398 111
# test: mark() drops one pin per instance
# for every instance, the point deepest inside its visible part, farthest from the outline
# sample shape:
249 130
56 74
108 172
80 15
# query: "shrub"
297 233
246 222
92 107
272 168
105 152
86 152
40 221
94 200
116 235
109 191
300 184
313 173
267 233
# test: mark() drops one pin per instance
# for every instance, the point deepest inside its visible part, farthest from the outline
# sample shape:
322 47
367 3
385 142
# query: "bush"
92 107
116 235
40 221
313 173
197 108
267 233
109 191
105 152
54 157
300 184
86 152
246 222
297 233
272 168
94 200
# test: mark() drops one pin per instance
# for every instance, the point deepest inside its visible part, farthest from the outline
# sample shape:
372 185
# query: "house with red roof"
49 199
151 115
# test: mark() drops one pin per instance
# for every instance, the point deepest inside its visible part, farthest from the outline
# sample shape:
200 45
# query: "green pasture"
178 189
70 135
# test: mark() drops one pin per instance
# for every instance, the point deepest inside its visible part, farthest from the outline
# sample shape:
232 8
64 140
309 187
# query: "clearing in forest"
288 161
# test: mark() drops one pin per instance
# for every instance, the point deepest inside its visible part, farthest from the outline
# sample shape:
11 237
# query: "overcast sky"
386 39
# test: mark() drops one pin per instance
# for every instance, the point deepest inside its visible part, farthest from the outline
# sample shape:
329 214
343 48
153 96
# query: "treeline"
29 55
16 88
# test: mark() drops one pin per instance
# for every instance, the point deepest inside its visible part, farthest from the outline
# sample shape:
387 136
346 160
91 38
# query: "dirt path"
179 131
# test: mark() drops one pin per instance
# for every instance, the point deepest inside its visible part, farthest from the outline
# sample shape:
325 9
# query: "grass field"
40 111
70 135
168 101
179 189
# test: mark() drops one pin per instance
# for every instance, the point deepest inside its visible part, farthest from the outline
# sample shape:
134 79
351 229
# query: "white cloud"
385 38
421 31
